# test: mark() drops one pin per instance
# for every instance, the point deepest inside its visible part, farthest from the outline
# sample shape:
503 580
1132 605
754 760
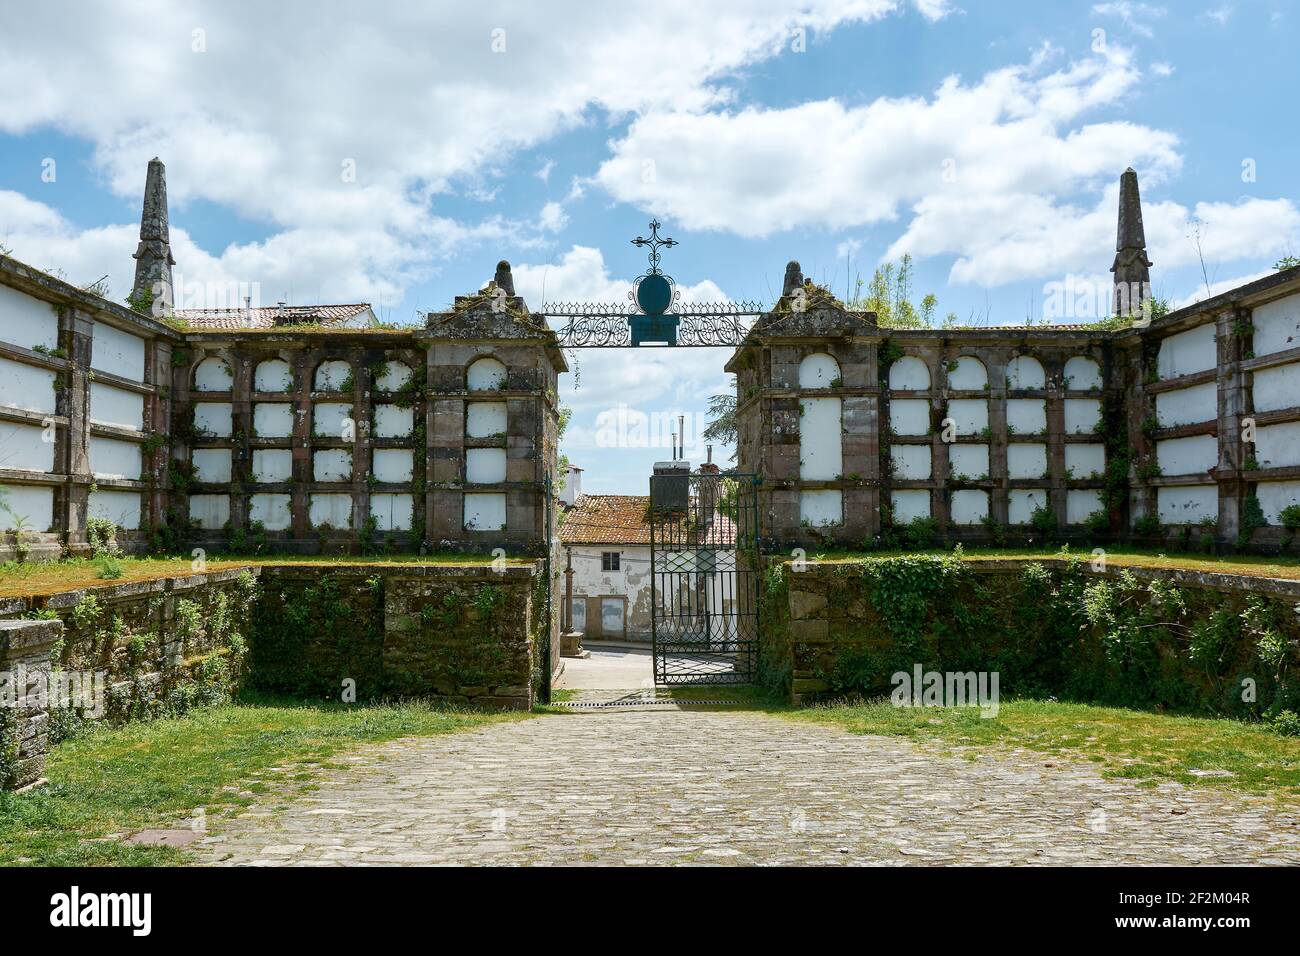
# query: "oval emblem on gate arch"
654 293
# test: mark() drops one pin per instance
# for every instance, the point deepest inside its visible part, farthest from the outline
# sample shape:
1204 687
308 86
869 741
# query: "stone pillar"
999 483
1233 398
77 331
25 648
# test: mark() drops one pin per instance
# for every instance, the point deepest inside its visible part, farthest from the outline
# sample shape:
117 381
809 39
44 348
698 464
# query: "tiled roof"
269 317
622 519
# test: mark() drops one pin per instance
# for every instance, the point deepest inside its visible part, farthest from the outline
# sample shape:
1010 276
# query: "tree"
889 295
562 461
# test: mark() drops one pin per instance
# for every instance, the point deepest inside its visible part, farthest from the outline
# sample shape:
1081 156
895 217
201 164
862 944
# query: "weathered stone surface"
25 648
805 604
656 787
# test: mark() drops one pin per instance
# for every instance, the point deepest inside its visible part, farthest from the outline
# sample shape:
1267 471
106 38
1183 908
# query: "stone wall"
84 411
466 634
1150 638
1182 431
25 649
312 439
160 645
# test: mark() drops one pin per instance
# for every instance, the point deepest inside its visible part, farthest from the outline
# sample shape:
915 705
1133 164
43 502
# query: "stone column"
25 648
77 331
1233 398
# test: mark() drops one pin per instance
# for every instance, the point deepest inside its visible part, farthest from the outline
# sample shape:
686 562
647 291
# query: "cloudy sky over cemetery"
393 156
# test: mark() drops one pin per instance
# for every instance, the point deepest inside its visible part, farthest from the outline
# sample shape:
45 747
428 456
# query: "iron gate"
704 578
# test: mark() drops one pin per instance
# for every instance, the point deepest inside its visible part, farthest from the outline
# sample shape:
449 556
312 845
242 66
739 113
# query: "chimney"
153 257
248 311
1132 268
708 467
572 489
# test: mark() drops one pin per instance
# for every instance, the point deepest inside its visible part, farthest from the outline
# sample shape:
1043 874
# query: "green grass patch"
1120 557
116 780
42 578
1134 744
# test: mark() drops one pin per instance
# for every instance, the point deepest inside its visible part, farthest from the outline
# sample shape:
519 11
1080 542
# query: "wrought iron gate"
705 576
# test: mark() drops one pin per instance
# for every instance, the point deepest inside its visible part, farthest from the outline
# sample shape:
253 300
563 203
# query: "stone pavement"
609 666
699 787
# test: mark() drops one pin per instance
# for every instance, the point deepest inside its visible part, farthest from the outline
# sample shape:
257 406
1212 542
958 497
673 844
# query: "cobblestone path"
674 787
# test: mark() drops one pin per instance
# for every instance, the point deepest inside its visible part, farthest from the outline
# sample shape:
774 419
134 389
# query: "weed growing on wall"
309 634
1063 632
158 665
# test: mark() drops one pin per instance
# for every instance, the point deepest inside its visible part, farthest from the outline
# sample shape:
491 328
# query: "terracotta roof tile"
621 519
269 317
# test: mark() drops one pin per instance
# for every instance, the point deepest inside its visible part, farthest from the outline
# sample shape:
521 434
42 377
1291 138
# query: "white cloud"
1220 14
553 218
581 275
307 264
1012 237
935 9
822 164
1132 15
1199 293
1162 69
279 105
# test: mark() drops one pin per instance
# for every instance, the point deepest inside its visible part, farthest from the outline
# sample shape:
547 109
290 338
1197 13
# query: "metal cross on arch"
654 242
655 314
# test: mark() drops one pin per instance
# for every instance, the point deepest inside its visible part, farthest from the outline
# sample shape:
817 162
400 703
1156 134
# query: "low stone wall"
468 634
1192 641
25 648
161 646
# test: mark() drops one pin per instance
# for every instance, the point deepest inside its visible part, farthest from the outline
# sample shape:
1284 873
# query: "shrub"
1286 723
1098 522
1290 517
1043 520
922 532
1147 526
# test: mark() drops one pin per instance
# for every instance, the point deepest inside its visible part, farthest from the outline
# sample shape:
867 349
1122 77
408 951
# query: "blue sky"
985 139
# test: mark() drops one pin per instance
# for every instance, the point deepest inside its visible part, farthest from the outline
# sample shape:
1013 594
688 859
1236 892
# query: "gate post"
808 418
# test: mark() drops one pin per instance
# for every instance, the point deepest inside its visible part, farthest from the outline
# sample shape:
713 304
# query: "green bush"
1286 723
1290 517
1147 526
922 532
1117 640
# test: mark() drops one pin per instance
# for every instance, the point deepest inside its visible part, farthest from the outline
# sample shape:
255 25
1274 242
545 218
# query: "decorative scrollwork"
711 330
594 331
646 316
604 328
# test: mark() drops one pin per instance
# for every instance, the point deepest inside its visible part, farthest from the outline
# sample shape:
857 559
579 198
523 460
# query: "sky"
392 153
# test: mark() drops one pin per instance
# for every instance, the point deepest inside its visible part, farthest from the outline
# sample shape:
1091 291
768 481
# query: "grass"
114 781
42 578
1137 745
1245 564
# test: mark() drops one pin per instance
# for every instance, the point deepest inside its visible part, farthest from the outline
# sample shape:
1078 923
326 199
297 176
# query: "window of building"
609 560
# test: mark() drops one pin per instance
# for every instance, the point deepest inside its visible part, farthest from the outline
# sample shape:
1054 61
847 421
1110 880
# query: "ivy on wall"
157 665
1048 631
310 633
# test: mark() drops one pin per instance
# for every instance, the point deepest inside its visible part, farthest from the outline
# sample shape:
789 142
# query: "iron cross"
654 242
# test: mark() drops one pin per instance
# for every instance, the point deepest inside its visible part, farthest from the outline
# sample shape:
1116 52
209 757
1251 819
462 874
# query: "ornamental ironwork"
646 318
